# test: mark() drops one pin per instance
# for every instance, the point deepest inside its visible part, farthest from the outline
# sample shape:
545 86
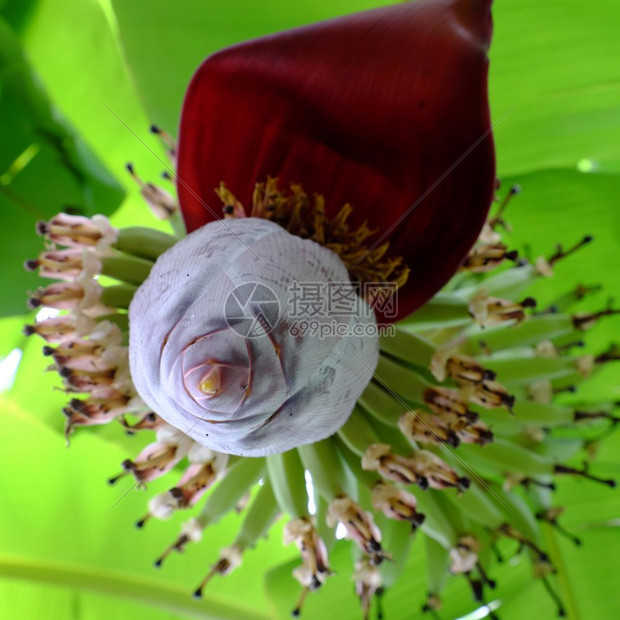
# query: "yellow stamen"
294 212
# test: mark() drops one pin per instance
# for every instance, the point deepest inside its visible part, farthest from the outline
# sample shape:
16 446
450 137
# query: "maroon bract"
386 110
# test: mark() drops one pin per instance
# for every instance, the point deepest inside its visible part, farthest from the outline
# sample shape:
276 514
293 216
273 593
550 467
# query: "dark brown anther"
477 587
550 515
115 479
561 253
42 228
583 473
595 415
497 553
526 482
497 219
300 601
167 139
149 421
582 290
556 599
585 321
31 264
485 577
611 355
462 484
221 567
422 482
140 522
511 532
379 598
177 545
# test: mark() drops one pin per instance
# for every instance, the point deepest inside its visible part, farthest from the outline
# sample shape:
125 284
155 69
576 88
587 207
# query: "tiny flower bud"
379 457
315 568
473 432
435 470
421 426
159 457
77 231
488 311
64 264
230 558
367 583
444 401
541 391
546 348
162 204
359 525
396 503
67 295
464 556
487 256
191 531
489 394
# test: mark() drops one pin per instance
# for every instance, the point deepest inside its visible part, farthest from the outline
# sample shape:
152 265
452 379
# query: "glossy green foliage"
110 67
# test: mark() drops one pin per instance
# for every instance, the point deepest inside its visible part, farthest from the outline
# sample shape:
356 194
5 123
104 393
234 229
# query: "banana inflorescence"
453 440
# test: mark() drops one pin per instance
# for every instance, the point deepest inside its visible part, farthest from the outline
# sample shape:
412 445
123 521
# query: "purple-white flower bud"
216 347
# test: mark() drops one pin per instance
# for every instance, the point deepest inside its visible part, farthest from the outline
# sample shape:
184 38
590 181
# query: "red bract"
386 110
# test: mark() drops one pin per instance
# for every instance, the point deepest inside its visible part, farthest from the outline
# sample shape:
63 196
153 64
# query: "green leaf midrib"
160 594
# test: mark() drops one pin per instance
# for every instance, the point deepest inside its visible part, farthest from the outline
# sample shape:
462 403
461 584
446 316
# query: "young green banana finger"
559 449
509 284
437 565
259 518
118 295
475 502
239 479
532 412
442 311
126 268
380 404
402 380
408 347
524 366
527 333
327 468
397 537
357 434
437 525
516 511
504 456
289 484
354 463
146 243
